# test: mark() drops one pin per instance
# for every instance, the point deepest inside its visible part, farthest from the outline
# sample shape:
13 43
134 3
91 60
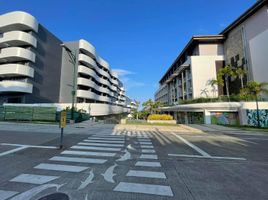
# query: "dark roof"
251 11
193 41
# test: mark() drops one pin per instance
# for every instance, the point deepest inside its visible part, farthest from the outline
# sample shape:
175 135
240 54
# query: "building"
190 73
243 44
38 68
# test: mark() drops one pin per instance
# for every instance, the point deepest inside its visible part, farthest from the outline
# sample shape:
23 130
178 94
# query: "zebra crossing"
148 161
98 150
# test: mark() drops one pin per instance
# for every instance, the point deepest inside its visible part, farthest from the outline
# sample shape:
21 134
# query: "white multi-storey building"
38 68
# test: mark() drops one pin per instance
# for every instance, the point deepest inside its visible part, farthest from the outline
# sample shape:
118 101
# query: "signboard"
63 119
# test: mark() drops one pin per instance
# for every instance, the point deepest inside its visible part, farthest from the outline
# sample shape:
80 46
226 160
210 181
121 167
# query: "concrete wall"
210 49
256 33
47 68
203 69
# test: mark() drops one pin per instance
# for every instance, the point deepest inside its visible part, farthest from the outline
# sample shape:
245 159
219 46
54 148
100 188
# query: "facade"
243 44
36 68
188 77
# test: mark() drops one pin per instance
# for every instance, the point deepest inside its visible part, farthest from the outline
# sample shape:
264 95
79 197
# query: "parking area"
120 163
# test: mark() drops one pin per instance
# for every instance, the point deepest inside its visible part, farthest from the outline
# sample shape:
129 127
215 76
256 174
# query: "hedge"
160 117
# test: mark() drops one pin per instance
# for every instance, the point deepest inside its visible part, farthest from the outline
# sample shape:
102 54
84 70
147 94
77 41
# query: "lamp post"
73 59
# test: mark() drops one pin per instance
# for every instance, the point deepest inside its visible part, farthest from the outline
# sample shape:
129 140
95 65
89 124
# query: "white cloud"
122 72
128 81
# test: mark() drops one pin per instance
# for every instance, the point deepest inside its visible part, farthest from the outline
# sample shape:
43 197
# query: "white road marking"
146 174
29 146
33 179
125 157
196 148
147 146
4 194
207 157
149 156
160 190
111 139
12 151
79 160
105 141
89 153
95 148
57 167
100 144
145 143
108 175
88 180
147 164
29 194
148 151
144 140
130 147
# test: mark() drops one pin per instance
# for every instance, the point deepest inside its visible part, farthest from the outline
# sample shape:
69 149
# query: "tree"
148 105
151 106
215 82
254 88
225 72
240 72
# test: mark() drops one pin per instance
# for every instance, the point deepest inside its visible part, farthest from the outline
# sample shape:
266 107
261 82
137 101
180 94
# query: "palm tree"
226 72
148 105
254 88
205 92
240 72
213 83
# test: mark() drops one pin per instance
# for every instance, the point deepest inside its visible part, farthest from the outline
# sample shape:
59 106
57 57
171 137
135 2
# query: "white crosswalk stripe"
100 144
58 167
95 148
33 178
148 151
110 139
146 174
105 141
147 146
89 153
78 160
144 189
147 164
149 156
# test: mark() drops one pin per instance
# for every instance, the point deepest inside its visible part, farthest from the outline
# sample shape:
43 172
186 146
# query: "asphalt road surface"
124 164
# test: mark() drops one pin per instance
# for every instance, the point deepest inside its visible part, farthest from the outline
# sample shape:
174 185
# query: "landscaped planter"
162 121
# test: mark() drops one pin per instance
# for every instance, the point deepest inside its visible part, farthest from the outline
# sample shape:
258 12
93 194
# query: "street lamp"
73 59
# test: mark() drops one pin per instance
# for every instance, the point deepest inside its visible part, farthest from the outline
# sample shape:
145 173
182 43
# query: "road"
130 164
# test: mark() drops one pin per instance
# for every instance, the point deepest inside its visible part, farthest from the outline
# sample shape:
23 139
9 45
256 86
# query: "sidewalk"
223 129
80 128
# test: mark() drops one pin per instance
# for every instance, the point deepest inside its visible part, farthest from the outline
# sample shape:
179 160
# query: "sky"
139 38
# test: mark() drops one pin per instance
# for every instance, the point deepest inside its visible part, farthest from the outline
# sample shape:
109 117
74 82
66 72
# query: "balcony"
90 50
14 54
17 38
14 70
15 86
91 95
18 21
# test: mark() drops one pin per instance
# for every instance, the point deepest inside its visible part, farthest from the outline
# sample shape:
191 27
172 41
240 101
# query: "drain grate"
55 196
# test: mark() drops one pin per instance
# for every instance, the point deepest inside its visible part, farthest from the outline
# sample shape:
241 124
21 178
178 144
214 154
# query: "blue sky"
139 38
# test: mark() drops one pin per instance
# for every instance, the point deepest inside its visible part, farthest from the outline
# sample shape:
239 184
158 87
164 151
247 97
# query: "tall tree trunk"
227 87
242 83
258 113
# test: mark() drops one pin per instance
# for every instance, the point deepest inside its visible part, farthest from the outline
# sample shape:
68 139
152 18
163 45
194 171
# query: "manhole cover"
55 196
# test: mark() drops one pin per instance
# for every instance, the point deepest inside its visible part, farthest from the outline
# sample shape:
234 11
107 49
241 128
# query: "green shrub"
160 117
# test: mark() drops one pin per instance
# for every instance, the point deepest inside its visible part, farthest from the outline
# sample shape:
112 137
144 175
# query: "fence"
28 113
23 113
